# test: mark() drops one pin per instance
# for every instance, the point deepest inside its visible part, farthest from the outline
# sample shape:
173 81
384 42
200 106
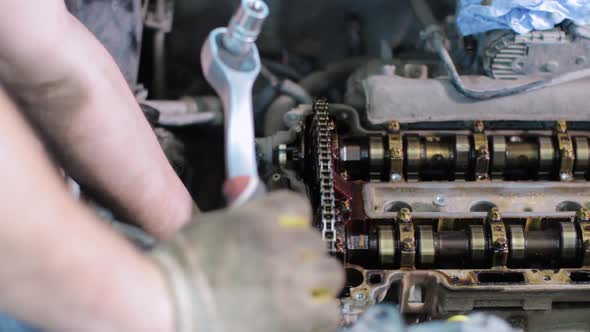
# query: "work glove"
260 267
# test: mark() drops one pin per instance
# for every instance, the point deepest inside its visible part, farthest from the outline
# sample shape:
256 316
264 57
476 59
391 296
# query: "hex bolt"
566 177
478 126
245 26
394 126
550 66
396 177
408 244
404 215
440 201
583 214
501 244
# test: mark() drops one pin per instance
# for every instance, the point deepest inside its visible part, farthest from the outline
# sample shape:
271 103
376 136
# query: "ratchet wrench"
231 63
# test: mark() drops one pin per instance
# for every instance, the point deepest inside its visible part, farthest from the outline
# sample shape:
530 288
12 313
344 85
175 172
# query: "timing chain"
322 130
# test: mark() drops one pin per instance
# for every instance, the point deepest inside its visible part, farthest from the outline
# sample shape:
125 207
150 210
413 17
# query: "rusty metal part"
482 153
498 238
566 152
451 291
396 155
407 239
583 222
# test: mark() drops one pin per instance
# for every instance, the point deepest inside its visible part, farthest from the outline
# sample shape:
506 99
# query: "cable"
434 35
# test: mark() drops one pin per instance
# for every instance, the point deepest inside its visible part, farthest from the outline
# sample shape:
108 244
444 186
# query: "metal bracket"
396 152
406 238
482 153
419 292
499 238
566 152
583 222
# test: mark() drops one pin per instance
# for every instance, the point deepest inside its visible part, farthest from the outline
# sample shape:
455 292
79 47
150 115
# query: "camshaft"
476 156
491 242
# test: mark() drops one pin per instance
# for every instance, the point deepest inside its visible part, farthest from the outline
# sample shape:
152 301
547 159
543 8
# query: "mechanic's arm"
74 92
258 268
64 269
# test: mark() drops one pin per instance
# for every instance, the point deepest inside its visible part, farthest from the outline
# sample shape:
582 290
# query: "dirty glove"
260 267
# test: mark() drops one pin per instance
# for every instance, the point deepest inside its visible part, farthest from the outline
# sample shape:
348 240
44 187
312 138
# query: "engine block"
442 221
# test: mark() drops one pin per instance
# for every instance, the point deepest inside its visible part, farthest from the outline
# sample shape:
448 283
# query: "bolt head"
408 244
396 177
440 200
565 177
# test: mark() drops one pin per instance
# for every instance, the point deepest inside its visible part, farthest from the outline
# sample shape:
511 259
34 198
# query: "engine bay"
449 174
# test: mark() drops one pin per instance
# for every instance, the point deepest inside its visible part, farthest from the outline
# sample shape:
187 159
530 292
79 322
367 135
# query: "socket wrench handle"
231 63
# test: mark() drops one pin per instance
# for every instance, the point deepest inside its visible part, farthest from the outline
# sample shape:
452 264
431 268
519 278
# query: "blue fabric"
522 16
8 324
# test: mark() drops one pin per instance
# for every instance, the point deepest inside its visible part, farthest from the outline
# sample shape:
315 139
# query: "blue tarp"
522 16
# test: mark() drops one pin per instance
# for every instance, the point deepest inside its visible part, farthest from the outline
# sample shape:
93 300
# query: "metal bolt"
583 214
547 278
440 200
245 26
408 244
494 214
550 66
404 215
396 177
501 244
359 296
565 177
580 60
394 126
478 126
515 139
561 126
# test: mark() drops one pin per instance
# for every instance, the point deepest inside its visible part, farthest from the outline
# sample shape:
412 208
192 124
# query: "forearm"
65 270
75 93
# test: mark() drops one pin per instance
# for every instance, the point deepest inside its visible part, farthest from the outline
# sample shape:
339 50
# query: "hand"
261 267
